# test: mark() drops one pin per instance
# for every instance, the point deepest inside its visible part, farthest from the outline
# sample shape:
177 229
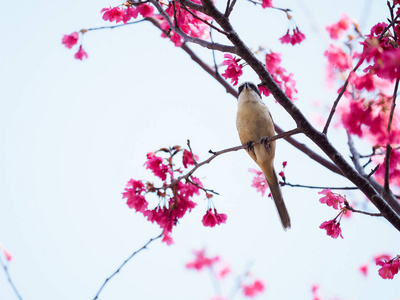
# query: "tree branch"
9 279
123 264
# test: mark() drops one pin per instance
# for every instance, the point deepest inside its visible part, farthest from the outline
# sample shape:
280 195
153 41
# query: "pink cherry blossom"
187 158
279 74
337 58
267 3
388 268
145 10
338 29
332 228
295 38
132 193
331 199
364 270
154 163
167 238
210 219
113 14
233 70
259 182
363 82
201 261
81 54
70 40
130 12
253 289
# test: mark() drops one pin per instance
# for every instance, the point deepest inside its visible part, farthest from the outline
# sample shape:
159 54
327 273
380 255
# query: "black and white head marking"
249 85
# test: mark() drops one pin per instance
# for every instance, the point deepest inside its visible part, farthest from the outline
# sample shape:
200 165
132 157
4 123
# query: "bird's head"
248 87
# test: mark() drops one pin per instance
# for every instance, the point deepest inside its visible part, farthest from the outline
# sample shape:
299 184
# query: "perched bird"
253 122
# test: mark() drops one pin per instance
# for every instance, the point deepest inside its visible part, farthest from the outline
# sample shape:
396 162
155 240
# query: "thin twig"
386 186
9 279
213 53
232 149
319 187
348 207
191 152
123 264
112 26
202 188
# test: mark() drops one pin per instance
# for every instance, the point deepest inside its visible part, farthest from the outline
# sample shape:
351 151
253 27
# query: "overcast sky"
73 133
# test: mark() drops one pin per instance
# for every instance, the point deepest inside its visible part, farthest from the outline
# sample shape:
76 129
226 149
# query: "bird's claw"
265 142
250 146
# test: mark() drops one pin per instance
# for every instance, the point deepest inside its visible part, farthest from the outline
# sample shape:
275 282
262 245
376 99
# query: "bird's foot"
250 146
265 142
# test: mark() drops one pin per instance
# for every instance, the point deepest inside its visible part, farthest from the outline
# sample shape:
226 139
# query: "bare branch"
5 268
320 187
348 207
123 264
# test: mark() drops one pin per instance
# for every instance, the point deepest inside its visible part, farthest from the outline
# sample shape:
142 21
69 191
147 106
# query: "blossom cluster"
296 37
233 69
335 201
366 107
127 12
280 75
250 288
70 40
388 266
175 196
191 22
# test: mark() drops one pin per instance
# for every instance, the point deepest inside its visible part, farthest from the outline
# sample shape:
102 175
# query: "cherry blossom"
113 14
338 29
388 268
201 261
267 3
295 38
337 58
154 163
187 158
259 182
210 219
145 10
332 228
331 199
233 70
279 74
81 54
364 270
253 289
70 40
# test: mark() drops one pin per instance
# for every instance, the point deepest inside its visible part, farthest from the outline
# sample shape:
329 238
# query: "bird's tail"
276 192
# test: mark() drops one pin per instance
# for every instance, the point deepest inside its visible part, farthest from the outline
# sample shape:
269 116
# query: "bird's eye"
255 88
240 89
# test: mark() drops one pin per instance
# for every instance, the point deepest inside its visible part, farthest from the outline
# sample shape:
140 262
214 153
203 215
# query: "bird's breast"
253 121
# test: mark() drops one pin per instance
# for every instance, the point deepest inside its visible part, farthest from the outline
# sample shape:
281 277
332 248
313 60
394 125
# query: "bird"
254 123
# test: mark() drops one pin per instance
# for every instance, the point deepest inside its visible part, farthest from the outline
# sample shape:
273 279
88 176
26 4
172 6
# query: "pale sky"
73 133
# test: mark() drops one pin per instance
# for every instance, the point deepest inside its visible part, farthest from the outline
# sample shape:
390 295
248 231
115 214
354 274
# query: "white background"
73 133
